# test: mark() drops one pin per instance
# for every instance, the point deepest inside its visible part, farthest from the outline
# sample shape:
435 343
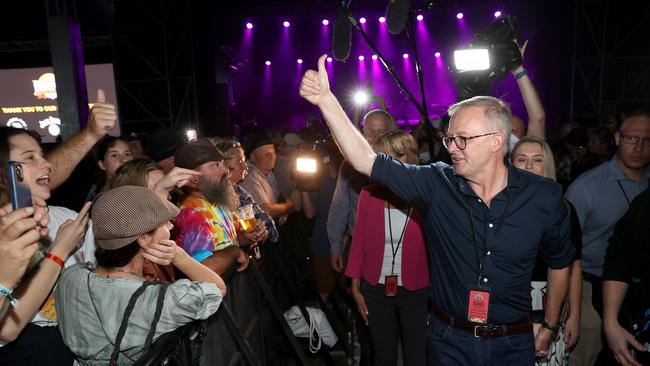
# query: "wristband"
8 294
521 74
54 258
546 325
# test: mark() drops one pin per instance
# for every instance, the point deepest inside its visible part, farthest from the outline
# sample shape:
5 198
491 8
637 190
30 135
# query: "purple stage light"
420 17
459 16
406 55
326 22
286 24
361 58
375 57
268 63
249 25
382 19
497 13
437 54
299 61
329 59
362 20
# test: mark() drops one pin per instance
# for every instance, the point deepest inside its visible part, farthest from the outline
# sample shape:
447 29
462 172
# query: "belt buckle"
476 327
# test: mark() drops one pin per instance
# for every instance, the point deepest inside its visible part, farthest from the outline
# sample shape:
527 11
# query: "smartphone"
18 189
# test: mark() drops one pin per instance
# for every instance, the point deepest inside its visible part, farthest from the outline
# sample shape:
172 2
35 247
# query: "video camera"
489 57
311 161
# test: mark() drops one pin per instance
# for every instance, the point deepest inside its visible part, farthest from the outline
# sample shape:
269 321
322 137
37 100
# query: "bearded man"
206 228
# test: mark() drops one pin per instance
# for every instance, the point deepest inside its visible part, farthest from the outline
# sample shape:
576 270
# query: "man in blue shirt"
601 196
485 221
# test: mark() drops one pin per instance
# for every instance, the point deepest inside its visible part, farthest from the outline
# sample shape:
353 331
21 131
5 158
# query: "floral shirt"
203 228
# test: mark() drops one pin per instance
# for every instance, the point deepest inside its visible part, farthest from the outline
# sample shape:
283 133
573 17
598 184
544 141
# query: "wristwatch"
546 325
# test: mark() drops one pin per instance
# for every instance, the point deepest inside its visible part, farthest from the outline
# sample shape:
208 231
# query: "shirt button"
485 280
479 200
490 225
488 252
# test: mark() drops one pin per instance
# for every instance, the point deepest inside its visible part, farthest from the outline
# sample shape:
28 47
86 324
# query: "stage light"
361 98
249 25
268 63
420 17
497 13
406 55
191 135
472 59
361 58
286 24
329 59
362 20
382 19
437 54
375 57
326 22
459 16
299 61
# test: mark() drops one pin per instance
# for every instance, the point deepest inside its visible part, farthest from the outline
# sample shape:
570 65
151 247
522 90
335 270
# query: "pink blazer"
368 242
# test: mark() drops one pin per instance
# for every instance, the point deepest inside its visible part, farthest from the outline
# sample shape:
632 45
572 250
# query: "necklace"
117 269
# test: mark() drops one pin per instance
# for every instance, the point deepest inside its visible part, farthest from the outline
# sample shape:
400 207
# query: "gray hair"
497 113
390 124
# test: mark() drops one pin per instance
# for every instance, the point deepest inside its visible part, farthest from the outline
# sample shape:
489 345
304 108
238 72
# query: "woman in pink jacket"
388 265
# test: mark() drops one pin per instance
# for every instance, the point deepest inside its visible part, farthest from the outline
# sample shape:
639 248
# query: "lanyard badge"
478 304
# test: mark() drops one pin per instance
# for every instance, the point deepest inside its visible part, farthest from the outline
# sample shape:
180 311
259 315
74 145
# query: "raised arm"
315 88
67 156
534 108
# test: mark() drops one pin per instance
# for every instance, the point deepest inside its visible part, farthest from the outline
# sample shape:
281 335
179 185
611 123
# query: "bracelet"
8 294
546 325
54 258
521 74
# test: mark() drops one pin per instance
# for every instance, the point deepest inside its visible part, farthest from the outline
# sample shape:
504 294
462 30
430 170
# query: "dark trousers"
37 346
404 313
451 347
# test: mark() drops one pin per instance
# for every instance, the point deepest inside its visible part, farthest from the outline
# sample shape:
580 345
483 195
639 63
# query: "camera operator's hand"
315 85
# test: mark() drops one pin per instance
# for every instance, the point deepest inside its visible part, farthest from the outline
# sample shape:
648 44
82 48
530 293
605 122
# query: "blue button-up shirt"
600 197
529 215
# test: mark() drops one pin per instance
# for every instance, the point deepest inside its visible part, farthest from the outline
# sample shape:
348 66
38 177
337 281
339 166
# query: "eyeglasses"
633 140
461 141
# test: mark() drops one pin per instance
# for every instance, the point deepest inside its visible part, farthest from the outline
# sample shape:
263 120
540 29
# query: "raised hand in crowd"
176 178
71 233
66 157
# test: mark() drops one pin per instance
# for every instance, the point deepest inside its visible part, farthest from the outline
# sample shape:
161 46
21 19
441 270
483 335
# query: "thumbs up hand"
315 84
102 116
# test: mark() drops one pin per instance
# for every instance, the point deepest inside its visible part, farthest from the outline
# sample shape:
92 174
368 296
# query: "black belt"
485 331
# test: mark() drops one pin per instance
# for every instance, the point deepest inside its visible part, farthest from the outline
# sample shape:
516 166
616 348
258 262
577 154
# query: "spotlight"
437 54
375 57
326 22
362 20
459 16
191 135
361 58
249 25
299 61
268 63
382 19
306 165
329 59
497 13
472 59
420 17
286 24
406 55
361 98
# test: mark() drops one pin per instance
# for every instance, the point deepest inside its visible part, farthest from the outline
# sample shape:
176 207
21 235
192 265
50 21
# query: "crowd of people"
503 248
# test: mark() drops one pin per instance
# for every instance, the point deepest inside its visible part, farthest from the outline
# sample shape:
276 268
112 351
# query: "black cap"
196 153
256 141
162 144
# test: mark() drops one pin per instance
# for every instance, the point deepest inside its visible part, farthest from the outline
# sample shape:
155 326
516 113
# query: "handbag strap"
159 305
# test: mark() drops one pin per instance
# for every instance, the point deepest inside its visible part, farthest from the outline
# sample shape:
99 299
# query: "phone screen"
18 189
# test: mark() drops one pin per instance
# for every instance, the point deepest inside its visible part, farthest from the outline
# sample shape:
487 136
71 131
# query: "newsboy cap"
122 214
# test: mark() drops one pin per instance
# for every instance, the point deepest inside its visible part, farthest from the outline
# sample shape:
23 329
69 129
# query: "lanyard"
624 194
401 237
481 258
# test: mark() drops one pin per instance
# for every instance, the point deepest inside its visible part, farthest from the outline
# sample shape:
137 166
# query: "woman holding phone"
28 332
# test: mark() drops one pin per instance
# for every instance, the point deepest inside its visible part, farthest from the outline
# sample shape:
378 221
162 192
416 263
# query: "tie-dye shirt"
202 228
